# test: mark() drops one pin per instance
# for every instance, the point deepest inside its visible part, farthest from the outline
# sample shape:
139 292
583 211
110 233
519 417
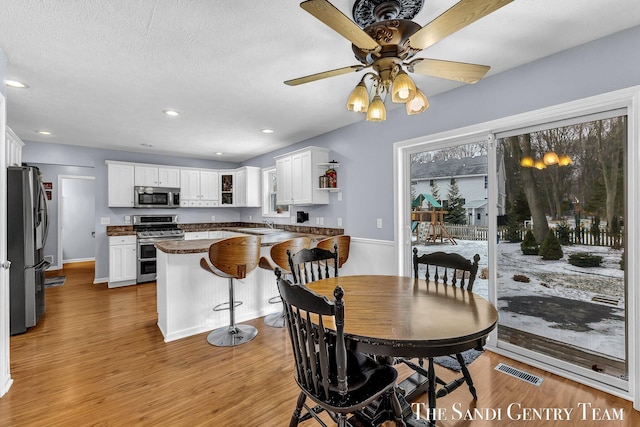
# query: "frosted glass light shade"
376 112
417 104
539 164
358 100
403 88
526 162
550 158
564 160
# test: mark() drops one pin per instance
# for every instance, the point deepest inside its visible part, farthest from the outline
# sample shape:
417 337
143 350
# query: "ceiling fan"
385 39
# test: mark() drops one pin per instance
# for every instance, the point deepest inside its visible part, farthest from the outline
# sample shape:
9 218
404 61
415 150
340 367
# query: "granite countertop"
202 245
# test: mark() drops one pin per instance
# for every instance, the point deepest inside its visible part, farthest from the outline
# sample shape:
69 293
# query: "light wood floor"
97 358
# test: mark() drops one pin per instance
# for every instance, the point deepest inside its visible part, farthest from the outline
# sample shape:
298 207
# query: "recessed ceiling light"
43 132
218 154
16 84
171 113
266 130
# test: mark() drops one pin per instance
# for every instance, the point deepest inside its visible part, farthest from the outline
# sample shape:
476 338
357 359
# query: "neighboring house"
472 178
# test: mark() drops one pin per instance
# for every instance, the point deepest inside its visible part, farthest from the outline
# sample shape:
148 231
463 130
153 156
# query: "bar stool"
343 241
232 258
279 257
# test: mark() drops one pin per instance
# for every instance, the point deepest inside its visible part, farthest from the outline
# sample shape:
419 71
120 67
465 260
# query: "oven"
151 229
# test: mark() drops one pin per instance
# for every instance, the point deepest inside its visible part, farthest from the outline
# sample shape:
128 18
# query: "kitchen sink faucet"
271 224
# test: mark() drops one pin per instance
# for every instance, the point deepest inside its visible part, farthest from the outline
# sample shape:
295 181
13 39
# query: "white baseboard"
100 280
69 261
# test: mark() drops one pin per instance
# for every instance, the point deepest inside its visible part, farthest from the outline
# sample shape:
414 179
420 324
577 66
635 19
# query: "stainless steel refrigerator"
27 227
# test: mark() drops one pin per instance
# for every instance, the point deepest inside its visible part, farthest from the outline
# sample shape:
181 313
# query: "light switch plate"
339 196
105 220
379 222
339 222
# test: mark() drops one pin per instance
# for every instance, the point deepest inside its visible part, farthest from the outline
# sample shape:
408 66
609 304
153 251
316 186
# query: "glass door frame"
628 99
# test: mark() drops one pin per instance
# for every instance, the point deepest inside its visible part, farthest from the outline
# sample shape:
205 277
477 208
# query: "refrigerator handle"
44 209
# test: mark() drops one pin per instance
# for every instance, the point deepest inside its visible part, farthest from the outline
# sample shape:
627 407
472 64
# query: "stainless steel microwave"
156 197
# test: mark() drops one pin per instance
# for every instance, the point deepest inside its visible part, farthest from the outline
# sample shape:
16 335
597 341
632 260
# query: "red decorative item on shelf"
333 177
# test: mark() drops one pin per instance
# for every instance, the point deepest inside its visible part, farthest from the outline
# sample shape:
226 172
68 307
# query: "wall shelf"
329 189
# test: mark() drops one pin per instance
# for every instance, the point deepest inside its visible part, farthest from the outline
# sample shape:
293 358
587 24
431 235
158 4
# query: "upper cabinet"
14 148
156 176
199 188
298 174
248 187
120 184
241 187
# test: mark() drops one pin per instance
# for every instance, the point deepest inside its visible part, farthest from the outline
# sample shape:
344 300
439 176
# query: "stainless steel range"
149 230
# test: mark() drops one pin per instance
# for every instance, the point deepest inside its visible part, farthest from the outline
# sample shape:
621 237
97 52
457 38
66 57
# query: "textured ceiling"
101 72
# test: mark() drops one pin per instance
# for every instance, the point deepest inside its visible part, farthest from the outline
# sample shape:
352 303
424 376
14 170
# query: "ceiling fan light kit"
384 38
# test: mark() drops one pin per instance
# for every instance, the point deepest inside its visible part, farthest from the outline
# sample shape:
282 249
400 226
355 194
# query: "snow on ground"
557 301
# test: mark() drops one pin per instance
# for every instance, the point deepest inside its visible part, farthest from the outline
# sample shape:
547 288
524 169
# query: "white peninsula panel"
186 294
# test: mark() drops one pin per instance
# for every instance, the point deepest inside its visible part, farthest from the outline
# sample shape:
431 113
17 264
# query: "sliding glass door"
561 267
449 203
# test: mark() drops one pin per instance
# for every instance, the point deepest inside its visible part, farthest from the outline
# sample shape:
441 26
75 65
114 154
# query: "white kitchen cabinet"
298 173
120 182
122 261
199 188
283 176
169 177
146 176
227 188
14 148
247 189
156 176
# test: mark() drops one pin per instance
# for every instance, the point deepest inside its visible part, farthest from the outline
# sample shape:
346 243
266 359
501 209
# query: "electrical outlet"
339 222
127 219
213 218
250 217
105 220
317 220
339 196
379 222
321 220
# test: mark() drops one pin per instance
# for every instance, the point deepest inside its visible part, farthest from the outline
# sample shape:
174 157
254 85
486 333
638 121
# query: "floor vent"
517 373
606 299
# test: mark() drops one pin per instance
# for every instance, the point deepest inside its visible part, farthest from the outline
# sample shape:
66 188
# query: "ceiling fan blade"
324 75
339 22
458 71
463 13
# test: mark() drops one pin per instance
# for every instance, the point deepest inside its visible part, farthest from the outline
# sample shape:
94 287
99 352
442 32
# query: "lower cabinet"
122 261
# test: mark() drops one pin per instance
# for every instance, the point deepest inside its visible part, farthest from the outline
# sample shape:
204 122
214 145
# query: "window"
269 191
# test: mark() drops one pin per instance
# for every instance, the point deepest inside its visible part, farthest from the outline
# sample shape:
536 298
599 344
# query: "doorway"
76 218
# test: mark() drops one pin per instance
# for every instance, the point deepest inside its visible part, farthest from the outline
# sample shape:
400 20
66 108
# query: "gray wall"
365 150
77 219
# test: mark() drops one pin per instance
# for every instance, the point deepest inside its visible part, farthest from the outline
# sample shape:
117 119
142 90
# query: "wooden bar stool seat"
280 260
232 258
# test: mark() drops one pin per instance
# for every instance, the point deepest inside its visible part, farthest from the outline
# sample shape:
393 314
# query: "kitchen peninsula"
186 294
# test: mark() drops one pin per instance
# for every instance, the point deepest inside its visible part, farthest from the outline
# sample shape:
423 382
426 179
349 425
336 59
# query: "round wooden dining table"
402 317
406 317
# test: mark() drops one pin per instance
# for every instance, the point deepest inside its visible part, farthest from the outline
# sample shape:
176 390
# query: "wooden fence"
583 237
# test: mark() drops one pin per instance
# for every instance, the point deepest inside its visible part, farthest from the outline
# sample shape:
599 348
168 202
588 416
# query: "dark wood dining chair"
279 259
338 380
309 265
448 269
232 258
342 241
